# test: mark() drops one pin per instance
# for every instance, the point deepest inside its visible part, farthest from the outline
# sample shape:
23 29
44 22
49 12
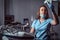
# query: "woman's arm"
32 30
54 21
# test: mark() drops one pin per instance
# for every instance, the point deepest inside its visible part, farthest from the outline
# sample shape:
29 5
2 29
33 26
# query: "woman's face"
43 10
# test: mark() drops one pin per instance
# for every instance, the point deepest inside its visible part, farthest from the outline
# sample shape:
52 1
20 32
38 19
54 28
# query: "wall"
25 8
1 12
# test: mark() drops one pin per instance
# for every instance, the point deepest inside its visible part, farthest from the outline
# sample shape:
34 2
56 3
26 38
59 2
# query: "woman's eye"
41 9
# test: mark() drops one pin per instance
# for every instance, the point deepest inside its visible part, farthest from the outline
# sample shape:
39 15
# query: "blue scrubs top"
41 28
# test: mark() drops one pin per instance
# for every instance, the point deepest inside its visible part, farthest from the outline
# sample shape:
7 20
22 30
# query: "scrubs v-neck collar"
41 22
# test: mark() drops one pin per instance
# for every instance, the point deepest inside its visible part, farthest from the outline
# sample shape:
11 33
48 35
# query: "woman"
41 25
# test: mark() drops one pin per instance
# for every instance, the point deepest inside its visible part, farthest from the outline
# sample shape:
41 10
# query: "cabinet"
8 19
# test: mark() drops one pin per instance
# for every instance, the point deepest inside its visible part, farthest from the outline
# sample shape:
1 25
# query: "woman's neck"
42 19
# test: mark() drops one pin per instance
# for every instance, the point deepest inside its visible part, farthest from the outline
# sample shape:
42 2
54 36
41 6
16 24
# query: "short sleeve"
50 20
33 24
